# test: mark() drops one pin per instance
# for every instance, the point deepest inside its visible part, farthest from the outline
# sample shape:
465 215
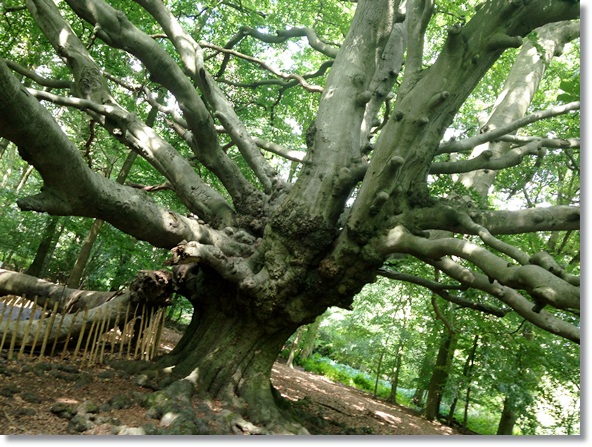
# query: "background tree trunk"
3 145
439 376
465 379
310 337
48 240
294 347
508 418
427 364
75 277
397 372
379 368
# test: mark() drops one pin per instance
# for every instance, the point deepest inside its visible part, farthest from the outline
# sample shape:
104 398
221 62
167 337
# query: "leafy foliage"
395 327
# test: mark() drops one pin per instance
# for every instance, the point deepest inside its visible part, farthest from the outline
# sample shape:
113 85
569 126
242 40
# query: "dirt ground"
35 396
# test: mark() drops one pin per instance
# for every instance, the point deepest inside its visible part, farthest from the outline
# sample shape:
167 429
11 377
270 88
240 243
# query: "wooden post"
140 331
27 329
70 334
162 316
13 339
94 342
41 320
48 330
129 345
95 347
150 329
7 304
55 341
115 328
92 326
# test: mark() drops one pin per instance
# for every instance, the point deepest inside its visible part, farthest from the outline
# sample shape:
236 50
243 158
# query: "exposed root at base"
172 409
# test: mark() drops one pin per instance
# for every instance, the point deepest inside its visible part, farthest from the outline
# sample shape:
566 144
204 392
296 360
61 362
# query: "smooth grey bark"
520 87
83 256
281 254
308 343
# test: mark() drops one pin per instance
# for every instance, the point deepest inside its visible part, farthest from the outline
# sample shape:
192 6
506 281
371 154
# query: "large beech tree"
274 232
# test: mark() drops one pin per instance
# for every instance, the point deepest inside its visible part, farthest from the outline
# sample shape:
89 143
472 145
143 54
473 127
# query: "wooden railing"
139 338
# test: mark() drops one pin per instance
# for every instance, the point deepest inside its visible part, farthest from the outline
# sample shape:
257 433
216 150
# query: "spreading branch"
448 218
509 296
486 160
145 141
541 284
298 78
192 56
117 31
284 35
443 290
494 134
45 82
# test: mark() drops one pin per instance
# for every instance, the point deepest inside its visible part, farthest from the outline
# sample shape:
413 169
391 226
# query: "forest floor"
52 397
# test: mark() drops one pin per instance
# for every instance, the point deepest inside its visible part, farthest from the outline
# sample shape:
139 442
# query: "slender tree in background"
264 238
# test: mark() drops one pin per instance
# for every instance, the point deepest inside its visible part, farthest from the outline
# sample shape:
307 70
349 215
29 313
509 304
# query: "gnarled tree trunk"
229 349
259 255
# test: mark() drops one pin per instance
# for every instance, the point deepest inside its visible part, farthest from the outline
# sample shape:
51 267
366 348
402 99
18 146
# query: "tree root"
172 406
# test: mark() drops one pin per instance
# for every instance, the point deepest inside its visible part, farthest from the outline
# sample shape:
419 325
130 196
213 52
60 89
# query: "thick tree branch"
48 294
275 148
419 13
410 139
25 122
148 287
553 218
486 161
386 74
337 126
152 288
198 196
282 36
546 261
510 297
284 85
543 142
117 31
470 143
541 284
192 252
45 82
192 57
517 94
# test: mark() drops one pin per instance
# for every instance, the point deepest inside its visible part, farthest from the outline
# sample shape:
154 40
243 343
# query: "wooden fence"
139 338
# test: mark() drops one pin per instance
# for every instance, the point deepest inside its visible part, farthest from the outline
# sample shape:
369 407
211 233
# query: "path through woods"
35 397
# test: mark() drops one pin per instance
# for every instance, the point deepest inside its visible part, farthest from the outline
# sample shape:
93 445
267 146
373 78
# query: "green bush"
363 382
337 375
